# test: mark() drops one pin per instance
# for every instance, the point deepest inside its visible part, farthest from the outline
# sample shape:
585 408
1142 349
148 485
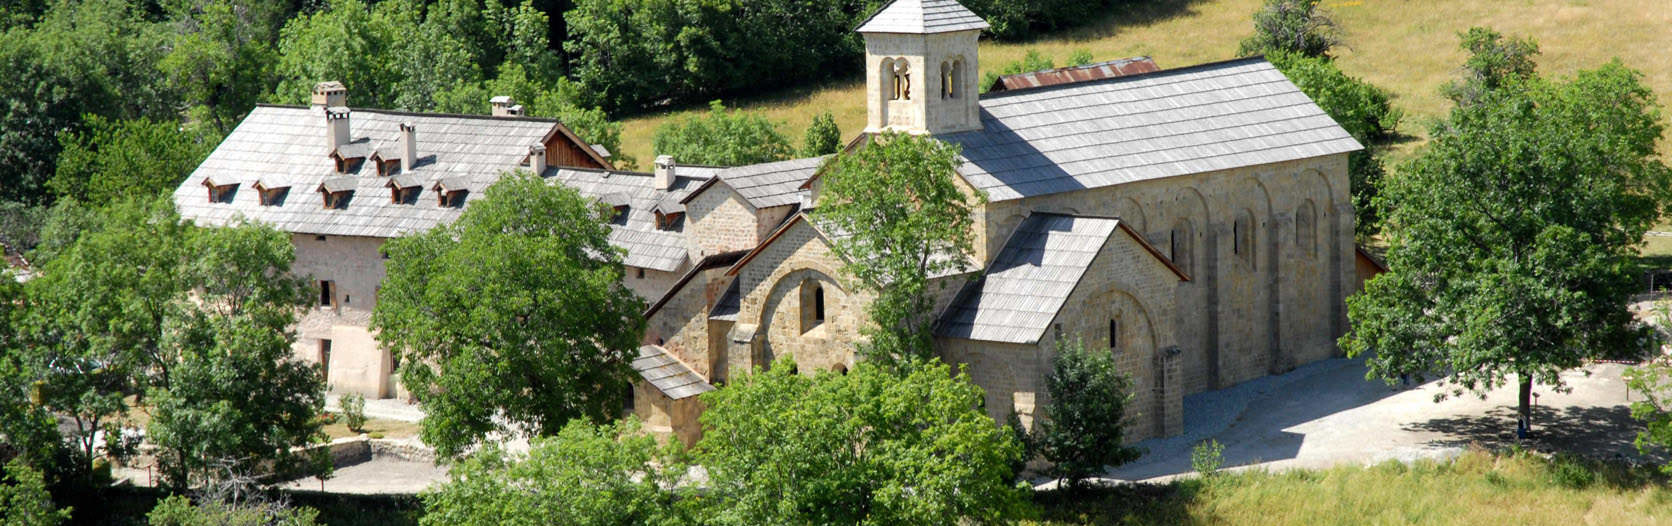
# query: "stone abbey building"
1195 222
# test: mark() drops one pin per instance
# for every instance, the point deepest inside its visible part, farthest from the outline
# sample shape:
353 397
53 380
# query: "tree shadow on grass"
1122 504
1598 433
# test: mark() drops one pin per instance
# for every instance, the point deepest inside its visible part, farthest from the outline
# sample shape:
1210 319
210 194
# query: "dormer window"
669 221
336 192
618 215
451 192
385 167
220 193
272 195
404 190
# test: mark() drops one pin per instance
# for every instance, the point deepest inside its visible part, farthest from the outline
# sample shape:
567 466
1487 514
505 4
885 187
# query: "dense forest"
98 88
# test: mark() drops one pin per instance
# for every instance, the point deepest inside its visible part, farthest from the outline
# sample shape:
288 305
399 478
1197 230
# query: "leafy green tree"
511 319
1292 26
1512 235
1494 62
723 138
220 61
116 159
24 500
177 510
1364 110
1083 429
94 57
587 475
823 137
237 399
904 219
93 321
556 101
868 447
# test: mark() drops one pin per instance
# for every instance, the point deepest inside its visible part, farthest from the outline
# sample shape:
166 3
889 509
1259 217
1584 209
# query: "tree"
1082 430
221 59
587 475
1512 235
868 447
1494 62
511 319
1364 110
556 101
1292 26
115 159
722 138
24 500
903 218
94 57
823 137
236 395
94 319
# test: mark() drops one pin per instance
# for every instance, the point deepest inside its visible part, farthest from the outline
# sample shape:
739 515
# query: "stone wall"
719 220
1126 285
778 289
1267 289
356 268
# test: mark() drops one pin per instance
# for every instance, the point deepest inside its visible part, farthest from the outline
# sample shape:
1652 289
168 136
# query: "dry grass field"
1476 488
1406 46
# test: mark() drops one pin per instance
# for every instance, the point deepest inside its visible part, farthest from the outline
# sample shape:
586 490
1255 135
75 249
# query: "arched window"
957 78
946 81
818 304
1306 230
812 305
901 71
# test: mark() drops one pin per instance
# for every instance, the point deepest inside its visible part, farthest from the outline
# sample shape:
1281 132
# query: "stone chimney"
336 126
503 106
329 95
409 147
665 168
537 159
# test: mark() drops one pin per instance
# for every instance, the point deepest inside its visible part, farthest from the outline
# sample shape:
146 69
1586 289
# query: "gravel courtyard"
1326 413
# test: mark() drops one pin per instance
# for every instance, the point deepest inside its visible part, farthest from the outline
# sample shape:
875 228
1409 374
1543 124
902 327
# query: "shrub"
1292 26
1208 457
1081 431
24 500
723 138
823 137
354 412
179 511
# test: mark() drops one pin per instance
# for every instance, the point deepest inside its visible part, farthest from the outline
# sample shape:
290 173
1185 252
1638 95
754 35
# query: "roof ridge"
472 116
1124 78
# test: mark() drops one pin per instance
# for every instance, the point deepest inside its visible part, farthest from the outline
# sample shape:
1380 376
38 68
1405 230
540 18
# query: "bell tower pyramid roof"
923 17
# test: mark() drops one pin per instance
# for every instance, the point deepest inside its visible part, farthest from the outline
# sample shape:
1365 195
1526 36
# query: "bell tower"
921 64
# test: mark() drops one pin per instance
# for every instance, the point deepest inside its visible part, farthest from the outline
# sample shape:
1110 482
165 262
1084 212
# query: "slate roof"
923 17
1029 281
769 184
729 305
1094 134
647 247
670 376
286 146
1072 74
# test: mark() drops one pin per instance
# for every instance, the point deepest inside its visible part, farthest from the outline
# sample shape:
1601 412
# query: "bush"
1207 458
1081 431
354 411
723 138
823 137
1292 26
179 511
24 500
1031 62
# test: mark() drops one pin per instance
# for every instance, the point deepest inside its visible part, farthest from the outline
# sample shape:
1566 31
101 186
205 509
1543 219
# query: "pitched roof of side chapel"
1030 280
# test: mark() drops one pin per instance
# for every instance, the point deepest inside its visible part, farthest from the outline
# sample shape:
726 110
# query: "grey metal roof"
285 146
1029 281
1101 133
923 17
647 247
670 376
772 184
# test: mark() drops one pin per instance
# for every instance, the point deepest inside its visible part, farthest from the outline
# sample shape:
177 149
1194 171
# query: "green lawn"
1406 46
1477 488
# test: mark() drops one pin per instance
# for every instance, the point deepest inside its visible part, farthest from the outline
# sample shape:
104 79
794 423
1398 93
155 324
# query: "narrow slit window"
327 293
1114 334
818 304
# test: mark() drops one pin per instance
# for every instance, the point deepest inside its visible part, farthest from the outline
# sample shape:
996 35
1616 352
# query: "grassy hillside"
1407 46
1477 488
